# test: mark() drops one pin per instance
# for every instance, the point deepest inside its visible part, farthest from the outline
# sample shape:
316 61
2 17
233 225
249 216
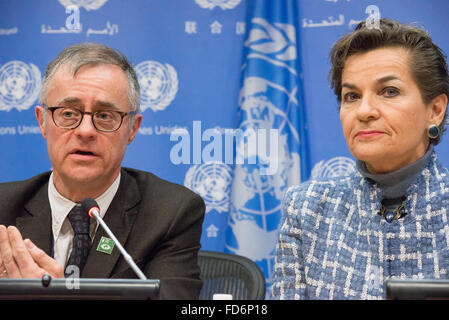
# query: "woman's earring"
433 132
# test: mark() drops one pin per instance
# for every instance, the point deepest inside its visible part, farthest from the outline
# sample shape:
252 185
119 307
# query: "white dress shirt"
62 229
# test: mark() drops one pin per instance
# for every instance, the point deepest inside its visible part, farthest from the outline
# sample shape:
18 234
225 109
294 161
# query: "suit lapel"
120 218
35 222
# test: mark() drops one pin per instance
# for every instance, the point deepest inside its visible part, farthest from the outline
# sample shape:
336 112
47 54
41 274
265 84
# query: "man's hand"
22 259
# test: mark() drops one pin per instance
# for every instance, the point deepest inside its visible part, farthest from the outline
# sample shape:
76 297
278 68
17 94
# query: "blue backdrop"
202 65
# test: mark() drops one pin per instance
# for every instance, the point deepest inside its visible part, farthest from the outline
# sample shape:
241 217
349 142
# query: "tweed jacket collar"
428 186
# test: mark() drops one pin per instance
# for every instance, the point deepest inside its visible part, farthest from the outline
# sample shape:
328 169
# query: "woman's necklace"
396 214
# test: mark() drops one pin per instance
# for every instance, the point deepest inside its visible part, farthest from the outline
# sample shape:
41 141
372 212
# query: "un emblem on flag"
20 85
158 84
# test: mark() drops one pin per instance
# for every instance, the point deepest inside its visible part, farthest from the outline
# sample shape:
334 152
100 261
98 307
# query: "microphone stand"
125 254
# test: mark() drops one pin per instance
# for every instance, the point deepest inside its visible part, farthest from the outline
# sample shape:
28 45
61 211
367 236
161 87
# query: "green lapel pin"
106 245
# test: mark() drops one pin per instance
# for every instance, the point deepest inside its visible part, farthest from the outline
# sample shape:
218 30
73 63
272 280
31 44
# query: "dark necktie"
81 241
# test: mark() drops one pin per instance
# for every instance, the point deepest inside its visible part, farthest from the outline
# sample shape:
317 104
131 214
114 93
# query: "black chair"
230 274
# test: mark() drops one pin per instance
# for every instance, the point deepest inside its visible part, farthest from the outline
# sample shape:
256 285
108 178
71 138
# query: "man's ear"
40 116
136 125
438 109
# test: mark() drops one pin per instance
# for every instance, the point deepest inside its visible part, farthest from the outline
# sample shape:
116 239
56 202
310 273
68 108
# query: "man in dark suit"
88 115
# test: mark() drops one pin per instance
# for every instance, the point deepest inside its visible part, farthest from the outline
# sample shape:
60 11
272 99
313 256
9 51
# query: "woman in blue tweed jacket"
341 238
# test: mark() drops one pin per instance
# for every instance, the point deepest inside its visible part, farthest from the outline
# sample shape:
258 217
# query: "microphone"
92 208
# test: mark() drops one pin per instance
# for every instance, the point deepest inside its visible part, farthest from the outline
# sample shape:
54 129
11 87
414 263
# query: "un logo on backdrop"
212 181
334 167
20 84
158 84
223 4
86 4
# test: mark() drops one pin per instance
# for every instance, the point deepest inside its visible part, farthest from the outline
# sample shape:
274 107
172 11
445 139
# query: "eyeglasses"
103 120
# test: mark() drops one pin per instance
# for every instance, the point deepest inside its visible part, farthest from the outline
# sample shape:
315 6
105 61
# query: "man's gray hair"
91 54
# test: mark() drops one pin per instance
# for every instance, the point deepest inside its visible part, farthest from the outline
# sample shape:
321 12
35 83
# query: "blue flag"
271 142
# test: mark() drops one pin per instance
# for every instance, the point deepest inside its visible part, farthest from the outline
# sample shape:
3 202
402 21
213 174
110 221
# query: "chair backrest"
230 274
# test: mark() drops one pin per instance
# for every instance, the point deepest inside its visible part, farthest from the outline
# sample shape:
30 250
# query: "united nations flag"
269 99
